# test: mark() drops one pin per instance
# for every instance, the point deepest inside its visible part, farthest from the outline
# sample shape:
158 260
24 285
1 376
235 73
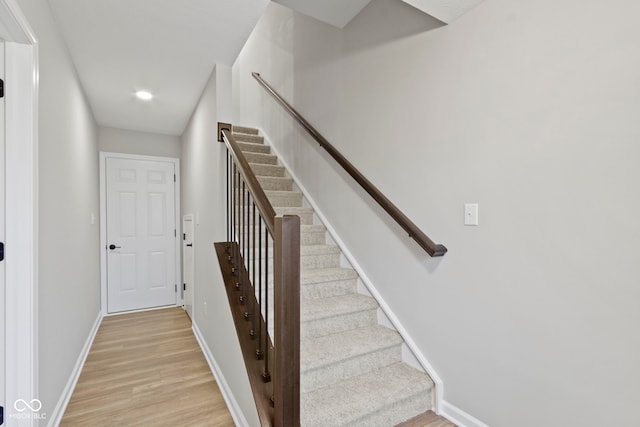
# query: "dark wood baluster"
259 352
236 240
232 258
245 255
228 202
266 375
256 310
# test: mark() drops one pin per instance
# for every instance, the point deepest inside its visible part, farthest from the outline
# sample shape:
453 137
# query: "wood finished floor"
428 419
146 369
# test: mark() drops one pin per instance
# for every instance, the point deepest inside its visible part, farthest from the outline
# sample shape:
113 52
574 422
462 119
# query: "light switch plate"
470 214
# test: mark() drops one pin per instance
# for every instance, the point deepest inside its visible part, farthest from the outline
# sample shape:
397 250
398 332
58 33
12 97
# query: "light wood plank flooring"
428 419
146 369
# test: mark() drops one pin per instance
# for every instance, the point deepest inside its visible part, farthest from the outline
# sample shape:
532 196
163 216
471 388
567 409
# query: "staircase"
351 368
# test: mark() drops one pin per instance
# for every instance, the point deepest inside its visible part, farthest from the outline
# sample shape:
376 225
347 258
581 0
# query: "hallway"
146 368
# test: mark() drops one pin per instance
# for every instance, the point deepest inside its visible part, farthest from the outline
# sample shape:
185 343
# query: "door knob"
112 247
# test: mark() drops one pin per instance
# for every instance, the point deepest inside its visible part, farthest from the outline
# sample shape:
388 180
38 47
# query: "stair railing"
433 249
260 264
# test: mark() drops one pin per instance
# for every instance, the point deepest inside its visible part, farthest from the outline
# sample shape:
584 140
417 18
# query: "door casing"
188 273
103 220
21 148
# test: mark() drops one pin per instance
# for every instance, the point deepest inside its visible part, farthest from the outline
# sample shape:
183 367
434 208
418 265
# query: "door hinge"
175 233
184 236
176 287
1 415
1 251
174 177
184 286
1 88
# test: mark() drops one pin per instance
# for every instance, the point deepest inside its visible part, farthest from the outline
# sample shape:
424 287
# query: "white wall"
68 257
527 108
203 174
141 143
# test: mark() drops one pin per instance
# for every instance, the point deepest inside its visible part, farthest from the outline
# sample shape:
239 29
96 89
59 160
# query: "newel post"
287 321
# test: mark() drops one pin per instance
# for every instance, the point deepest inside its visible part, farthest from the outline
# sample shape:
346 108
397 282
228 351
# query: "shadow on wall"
393 20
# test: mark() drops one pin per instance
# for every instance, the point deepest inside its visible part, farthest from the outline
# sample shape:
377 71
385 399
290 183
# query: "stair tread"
321 308
265 165
310 250
330 349
351 400
282 193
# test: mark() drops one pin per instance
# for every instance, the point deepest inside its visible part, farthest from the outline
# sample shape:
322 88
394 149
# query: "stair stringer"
410 351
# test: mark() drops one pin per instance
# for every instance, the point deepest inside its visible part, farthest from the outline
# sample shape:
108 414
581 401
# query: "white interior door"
2 240
141 234
188 267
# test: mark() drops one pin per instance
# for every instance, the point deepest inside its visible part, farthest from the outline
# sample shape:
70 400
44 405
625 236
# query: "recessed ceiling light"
143 94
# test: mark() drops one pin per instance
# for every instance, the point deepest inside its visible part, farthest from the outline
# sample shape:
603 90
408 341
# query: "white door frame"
189 217
21 145
103 220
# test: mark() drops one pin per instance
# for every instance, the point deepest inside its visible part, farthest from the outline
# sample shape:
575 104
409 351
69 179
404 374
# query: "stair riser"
291 200
250 147
267 170
306 217
245 130
328 289
263 159
276 184
327 326
286 200
398 412
326 375
319 261
313 262
306 238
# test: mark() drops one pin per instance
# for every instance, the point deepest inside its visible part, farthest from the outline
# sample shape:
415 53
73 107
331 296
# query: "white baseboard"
411 345
236 413
458 416
58 412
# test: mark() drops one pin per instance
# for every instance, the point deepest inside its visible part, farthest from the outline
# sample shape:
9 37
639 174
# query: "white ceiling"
167 47
170 47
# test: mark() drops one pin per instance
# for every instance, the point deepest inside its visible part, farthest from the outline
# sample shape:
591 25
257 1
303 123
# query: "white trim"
142 310
103 221
439 392
236 413
21 219
188 217
459 417
61 407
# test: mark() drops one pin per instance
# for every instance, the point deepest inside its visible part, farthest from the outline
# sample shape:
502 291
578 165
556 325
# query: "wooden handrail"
260 198
432 248
247 281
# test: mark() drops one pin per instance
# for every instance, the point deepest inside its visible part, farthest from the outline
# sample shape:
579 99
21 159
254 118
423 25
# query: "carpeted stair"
352 372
